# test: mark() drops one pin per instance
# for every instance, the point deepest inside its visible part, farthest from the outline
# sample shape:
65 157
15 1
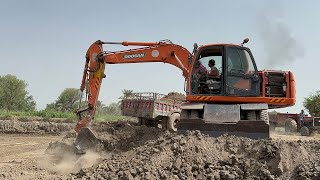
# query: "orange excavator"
234 101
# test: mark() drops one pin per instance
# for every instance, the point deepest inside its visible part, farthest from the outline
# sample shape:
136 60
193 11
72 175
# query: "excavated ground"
128 151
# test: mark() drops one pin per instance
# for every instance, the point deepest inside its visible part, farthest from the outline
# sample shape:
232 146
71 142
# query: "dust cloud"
68 162
280 46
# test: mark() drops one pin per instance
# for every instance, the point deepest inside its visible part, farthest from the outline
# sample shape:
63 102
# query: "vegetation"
30 115
312 103
13 95
48 114
126 93
110 117
63 107
113 108
67 101
16 103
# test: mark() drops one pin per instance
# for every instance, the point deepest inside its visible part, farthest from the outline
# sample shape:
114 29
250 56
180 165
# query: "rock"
133 172
178 163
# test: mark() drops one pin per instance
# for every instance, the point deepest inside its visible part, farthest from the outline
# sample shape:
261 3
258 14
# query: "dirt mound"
149 153
175 96
128 151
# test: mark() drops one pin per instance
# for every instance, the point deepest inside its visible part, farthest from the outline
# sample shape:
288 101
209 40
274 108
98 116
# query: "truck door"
242 76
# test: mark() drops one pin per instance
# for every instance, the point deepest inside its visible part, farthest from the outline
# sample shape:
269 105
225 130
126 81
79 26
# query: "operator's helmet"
212 62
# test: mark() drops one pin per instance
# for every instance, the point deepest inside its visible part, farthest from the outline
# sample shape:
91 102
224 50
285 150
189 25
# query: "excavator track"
247 120
244 128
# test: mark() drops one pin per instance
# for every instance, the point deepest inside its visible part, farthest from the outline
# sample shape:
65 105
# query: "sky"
44 42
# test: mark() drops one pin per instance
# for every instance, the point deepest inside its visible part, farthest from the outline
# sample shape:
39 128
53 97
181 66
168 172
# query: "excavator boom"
96 59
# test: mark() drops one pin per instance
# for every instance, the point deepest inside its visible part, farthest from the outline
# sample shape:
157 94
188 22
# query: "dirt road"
15 148
280 134
20 155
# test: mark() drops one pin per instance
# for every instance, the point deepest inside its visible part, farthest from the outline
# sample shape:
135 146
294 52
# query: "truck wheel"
172 121
152 123
264 116
305 131
290 125
141 121
164 123
144 122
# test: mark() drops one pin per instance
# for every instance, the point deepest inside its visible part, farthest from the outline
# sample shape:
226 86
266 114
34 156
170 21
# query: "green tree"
14 96
67 101
312 103
100 108
113 108
126 93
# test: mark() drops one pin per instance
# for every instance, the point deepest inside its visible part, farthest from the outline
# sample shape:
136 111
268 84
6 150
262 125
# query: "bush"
48 114
109 117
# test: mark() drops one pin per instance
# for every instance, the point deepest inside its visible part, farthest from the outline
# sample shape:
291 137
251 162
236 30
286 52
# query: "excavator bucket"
85 140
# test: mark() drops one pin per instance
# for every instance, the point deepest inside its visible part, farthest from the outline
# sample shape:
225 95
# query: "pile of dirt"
128 151
135 152
175 96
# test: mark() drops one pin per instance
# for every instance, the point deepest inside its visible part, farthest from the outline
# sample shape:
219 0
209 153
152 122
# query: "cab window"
207 71
239 60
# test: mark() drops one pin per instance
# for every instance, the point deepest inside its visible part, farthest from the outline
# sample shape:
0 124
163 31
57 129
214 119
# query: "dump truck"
233 99
152 109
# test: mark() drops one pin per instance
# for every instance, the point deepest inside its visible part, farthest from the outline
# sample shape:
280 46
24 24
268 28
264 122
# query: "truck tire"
141 121
264 116
152 123
144 122
290 125
172 121
164 123
304 131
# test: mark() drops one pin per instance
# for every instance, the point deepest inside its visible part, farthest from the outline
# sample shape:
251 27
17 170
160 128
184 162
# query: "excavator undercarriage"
248 120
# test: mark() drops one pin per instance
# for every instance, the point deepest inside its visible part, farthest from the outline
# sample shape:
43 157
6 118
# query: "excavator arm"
96 58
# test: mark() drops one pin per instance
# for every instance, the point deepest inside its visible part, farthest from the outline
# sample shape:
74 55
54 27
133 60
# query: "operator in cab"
214 72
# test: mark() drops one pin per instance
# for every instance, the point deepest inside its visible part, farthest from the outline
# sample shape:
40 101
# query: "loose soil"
128 151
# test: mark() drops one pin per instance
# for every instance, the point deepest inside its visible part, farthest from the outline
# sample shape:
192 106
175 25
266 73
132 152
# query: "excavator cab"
237 72
217 105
